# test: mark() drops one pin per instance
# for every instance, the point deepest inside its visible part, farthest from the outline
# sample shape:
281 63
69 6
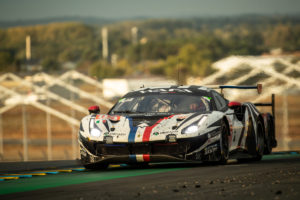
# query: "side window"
220 101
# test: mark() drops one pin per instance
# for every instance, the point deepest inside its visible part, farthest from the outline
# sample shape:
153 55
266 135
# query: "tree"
50 64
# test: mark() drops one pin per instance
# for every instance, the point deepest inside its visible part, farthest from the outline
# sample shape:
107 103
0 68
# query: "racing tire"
269 135
260 141
92 166
224 144
255 147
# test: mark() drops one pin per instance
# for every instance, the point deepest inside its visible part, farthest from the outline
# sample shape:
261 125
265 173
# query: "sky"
11 10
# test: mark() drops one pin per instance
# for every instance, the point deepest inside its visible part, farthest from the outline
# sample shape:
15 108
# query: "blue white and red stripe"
139 158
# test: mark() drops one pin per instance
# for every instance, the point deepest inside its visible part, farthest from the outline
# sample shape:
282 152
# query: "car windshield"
162 103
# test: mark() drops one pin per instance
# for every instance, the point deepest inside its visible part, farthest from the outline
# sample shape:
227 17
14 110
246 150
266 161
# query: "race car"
175 123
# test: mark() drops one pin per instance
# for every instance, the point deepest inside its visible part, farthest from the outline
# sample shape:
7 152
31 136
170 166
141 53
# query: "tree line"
163 45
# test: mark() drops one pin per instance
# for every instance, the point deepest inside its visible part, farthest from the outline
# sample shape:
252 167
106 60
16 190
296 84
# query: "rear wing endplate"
272 103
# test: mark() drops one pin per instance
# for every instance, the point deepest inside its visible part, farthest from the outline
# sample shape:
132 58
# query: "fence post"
285 127
49 133
25 136
1 139
73 128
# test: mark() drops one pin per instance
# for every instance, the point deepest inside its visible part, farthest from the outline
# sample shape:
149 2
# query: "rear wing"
258 87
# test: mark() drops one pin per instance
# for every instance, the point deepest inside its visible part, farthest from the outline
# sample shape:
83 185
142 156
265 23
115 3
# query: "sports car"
176 123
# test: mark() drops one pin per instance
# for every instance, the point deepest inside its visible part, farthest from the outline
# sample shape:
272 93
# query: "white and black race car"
176 123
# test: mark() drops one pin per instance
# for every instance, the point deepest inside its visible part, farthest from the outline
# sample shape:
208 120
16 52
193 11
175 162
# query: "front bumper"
190 149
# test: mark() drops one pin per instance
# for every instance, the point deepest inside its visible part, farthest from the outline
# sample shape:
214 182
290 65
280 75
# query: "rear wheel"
256 145
269 135
260 141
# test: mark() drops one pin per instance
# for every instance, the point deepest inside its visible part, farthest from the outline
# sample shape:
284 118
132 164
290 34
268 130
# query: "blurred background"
59 57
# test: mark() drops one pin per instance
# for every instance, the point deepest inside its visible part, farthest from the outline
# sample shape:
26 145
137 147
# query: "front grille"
111 149
170 148
143 148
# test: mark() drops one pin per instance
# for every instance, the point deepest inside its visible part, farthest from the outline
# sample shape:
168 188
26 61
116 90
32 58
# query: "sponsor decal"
117 134
110 117
122 100
180 118
207 98
168 132
125 100
156 133
143 124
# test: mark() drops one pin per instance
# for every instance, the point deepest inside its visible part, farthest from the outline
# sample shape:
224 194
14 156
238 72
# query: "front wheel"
85 161
224 146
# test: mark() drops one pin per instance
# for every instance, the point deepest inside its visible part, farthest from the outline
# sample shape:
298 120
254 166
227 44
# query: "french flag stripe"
132 158
132 132
146 157
139 158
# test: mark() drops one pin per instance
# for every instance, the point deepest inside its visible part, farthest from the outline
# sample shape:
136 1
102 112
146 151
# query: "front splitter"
134 158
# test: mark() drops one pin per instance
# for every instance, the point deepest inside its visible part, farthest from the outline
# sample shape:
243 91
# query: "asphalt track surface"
275 177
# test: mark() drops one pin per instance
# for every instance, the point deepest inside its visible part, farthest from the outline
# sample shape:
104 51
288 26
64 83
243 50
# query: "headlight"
194 127
191 129
94 130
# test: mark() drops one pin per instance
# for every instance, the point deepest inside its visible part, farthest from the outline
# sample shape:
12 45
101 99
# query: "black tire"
92 166
224 144
260 141
269 135
255 147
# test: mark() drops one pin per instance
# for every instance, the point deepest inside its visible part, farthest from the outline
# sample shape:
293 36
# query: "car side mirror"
234 105
94 109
